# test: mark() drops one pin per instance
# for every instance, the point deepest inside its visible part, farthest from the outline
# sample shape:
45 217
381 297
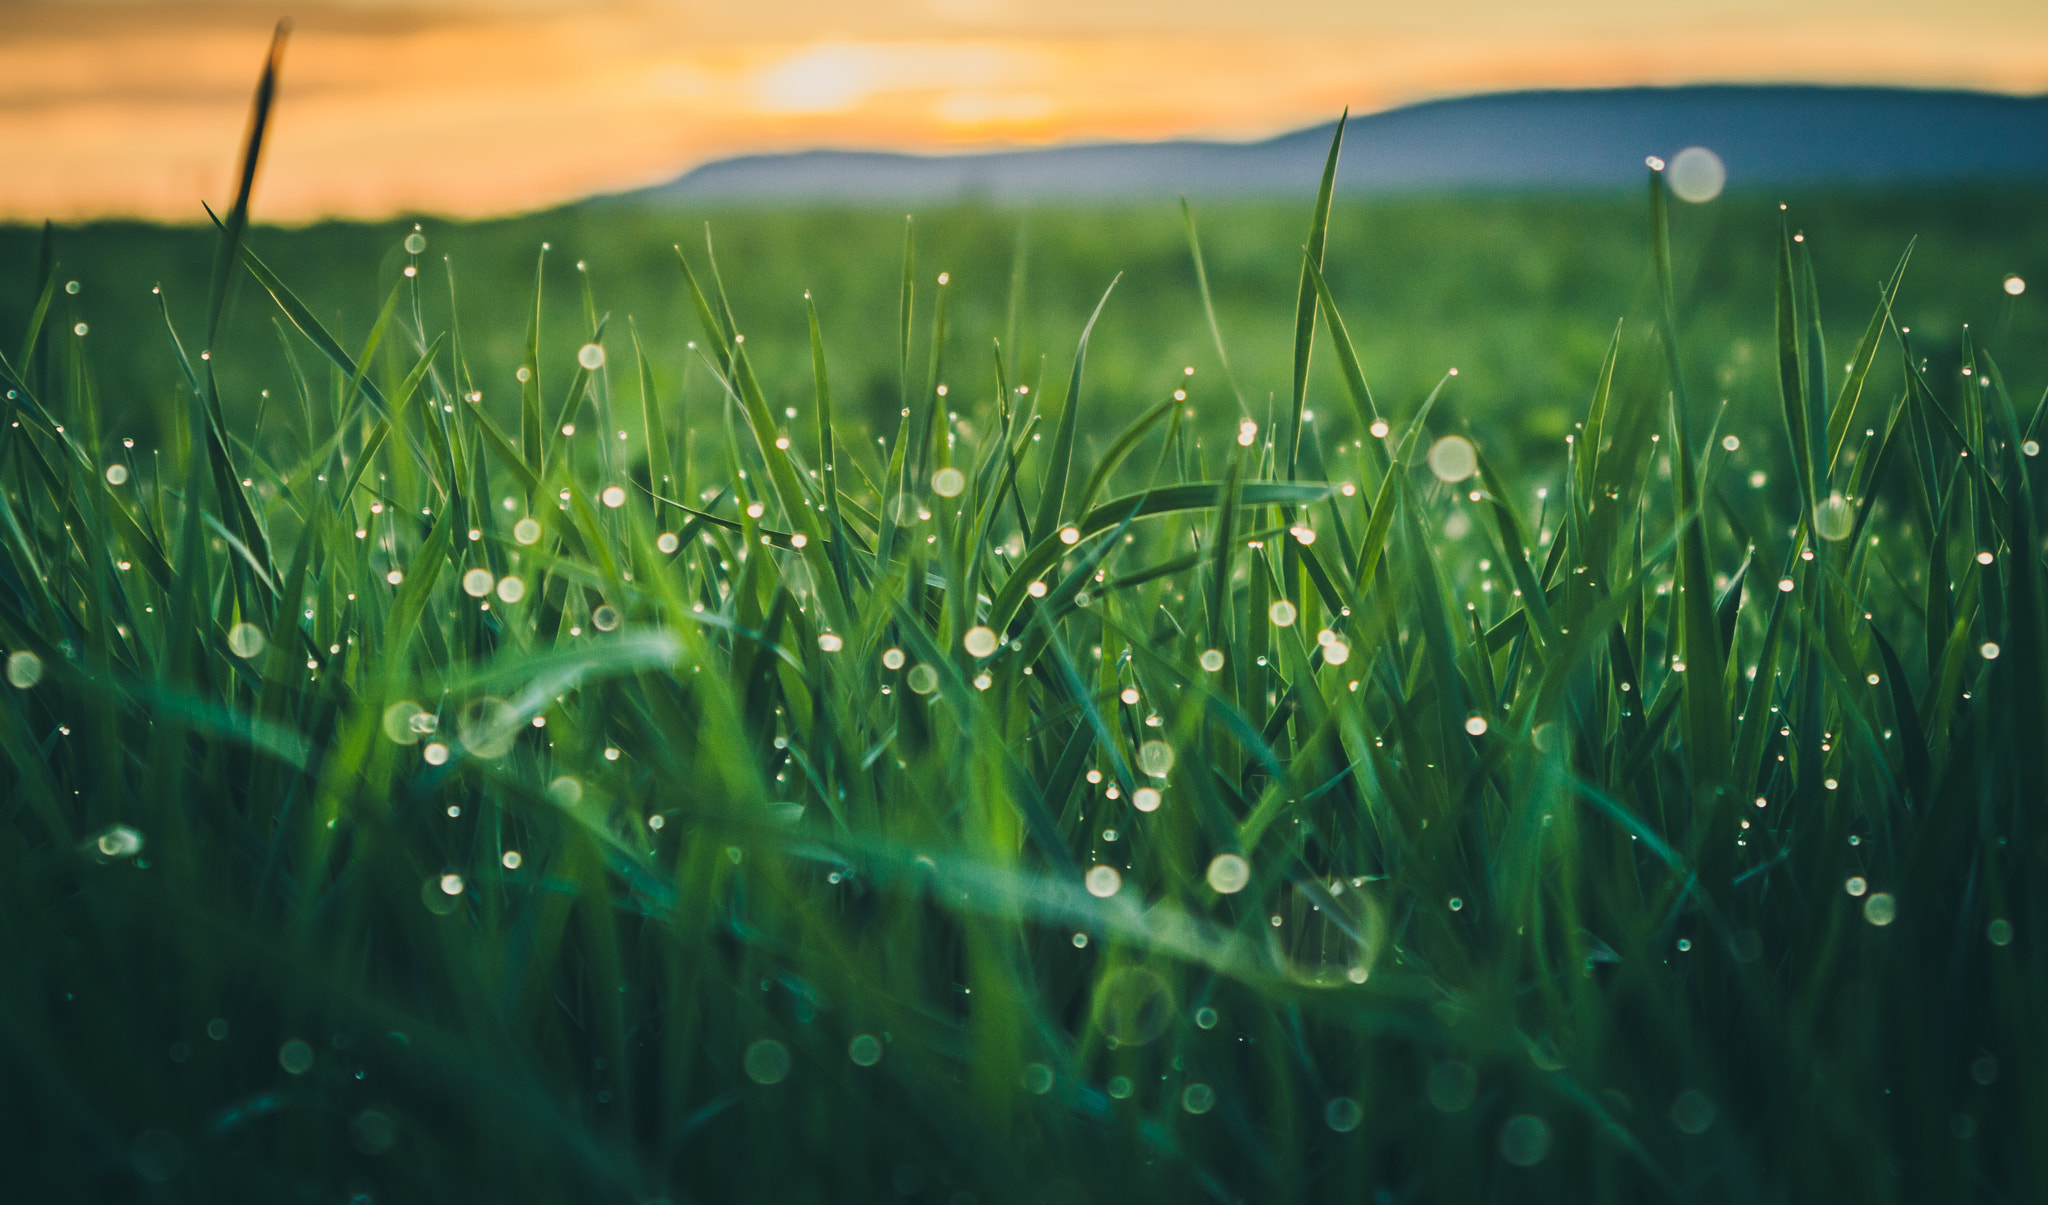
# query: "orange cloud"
137 111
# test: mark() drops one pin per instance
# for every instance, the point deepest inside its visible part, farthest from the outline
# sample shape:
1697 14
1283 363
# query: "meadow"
819 716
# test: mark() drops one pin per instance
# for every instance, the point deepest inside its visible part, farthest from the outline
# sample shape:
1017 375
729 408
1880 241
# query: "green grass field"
869 761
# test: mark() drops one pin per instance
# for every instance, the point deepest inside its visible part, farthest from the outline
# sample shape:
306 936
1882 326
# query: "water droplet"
980 641
922 678
1988 650
511 590
1103 881
1692 1112
1212 660
1336 653
668 541
1133 1005
1120 1088
1037 1079
117 474
511 860
1476 726
1080 941
415 243
1999 932
1205 1017
1198 1099
119 841
296 1057
80 330
1525 1140
566 791
605 618
1881 909
949 482
1155 758
1835 518
2015 286
1453 459
487 726
865 1050
1343 1114
893 659
373 1132
24 669
526 531
590 356
1145 799
1229 874
1282 613
246 640
436 754
1697 175
831 642
524 373
614 496
1856 885
767 1062
1070 535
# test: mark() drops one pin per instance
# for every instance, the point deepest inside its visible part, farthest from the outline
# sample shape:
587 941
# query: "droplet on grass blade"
831 642
1212 660
590 356
1145 799
1835 518
865 1050
922 678
1103 881
2014 286
614 496
511 590
1999 932
892 659
566 791
668 541
605 618
398 722
415 243
118 841
246 640
1134 1005
1453 459
526 531
1282 613
1343 1114
1692 1112
488 726
295 1056
477 583
1881 909
1228 874
1697 175
24 669
511 860
767 1062
1198 1099
980 641
1525 1140
117 474
1037 1079
949 482
1155 758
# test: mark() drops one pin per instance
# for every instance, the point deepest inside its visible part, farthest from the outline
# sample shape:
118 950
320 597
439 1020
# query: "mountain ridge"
1544 140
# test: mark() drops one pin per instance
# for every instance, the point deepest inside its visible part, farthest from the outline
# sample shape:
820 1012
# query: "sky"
467 108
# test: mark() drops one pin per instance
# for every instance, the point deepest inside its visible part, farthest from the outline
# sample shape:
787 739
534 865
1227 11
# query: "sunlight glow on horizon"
109 110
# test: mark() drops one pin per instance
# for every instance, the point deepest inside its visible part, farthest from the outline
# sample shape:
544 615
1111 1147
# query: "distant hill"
1516 140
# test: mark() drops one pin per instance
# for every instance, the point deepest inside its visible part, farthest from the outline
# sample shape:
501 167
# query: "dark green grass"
1730 896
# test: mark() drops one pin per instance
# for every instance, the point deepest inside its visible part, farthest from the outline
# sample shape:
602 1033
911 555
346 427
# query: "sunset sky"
467 109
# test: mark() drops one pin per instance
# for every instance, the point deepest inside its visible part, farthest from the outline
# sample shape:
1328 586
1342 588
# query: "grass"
1235 807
